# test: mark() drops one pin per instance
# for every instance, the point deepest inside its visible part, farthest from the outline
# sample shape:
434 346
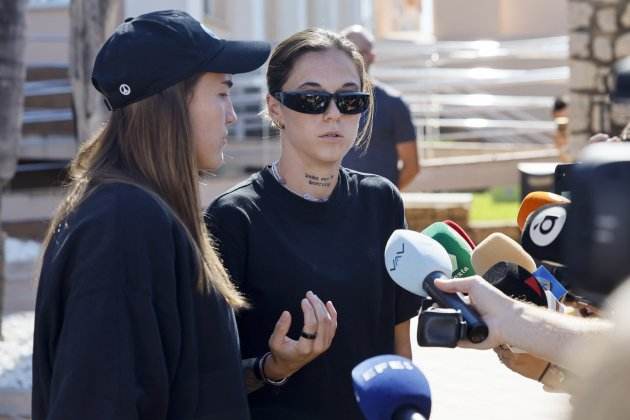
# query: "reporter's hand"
524 364
551 376
490 302
288 355
603 138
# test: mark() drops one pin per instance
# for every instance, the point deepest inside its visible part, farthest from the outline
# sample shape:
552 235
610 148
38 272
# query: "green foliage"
497 204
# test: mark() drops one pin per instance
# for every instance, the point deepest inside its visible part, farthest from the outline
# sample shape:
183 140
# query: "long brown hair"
286 53
149 144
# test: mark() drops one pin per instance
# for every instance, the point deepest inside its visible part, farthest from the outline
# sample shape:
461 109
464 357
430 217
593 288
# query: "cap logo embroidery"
124 89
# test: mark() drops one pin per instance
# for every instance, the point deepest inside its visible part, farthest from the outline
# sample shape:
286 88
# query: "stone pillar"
599 34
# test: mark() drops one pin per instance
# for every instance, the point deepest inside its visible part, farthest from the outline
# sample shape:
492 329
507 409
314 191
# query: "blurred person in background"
393 137
560 115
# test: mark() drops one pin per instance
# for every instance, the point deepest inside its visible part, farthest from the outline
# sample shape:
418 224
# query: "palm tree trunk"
12 74
92 21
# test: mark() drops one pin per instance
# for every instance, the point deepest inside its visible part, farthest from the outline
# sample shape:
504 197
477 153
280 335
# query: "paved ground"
472 384
465 384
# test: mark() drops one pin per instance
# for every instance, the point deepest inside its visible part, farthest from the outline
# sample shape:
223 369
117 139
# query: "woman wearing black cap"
134 315
306 223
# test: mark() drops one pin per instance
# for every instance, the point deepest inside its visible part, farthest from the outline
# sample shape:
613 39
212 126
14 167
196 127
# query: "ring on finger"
309 336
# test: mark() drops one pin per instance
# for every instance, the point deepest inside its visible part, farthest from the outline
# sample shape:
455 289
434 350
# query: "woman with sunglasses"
134 315
306 223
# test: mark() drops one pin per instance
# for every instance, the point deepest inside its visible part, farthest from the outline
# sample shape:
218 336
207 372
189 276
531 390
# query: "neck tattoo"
317 181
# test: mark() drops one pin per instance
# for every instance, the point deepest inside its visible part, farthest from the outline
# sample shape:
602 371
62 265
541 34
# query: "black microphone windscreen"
544 232
515 281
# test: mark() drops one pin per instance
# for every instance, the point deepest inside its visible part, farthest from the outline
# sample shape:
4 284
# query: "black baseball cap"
154 51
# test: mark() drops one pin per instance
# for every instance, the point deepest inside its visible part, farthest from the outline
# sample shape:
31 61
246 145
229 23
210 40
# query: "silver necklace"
283 182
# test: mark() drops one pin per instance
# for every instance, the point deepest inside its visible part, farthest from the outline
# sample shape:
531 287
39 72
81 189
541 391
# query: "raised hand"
288 355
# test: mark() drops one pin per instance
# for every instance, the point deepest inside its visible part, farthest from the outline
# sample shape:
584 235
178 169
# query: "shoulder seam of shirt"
241 185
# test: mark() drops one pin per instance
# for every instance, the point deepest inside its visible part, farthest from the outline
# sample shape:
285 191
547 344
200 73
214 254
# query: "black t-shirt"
277 246
392 125
121 330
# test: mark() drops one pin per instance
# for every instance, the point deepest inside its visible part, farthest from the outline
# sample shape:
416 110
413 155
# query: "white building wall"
323 14
352 12
138 7
246 19
285 18
194 8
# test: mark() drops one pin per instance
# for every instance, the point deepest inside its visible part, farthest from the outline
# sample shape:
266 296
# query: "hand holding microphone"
489 302
415 261
538 331
515 281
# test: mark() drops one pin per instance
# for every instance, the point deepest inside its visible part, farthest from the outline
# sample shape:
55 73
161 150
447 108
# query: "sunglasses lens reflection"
317 103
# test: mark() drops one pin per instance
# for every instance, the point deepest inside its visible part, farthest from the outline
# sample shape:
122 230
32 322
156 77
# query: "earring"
279 125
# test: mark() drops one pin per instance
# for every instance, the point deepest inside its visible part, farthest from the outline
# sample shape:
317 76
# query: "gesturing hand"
288 355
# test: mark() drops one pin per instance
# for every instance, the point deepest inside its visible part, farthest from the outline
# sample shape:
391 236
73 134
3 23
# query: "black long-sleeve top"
121 329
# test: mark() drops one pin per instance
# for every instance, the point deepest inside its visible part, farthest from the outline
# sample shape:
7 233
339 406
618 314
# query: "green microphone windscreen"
458 249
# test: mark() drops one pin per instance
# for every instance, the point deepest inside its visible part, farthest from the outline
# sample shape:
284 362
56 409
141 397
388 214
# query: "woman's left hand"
288 355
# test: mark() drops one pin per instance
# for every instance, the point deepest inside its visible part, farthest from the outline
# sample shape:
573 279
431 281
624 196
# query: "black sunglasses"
317 102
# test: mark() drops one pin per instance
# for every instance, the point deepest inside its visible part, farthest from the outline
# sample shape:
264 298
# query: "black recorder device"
440 327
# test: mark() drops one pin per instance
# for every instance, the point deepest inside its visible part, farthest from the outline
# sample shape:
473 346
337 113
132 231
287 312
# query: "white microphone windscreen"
411 256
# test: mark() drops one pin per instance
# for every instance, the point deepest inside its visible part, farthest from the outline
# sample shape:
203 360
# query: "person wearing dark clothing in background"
393 137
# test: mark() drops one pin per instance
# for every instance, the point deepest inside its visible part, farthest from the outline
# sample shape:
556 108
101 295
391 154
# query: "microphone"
391 387
457 228
457 248
500 247
550 283
543 233
517 282
535 200
414 261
